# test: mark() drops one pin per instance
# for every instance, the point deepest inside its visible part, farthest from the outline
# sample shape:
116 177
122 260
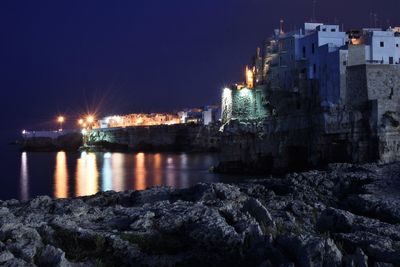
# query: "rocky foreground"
346 216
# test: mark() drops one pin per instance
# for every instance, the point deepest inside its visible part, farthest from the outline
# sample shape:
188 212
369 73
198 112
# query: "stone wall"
297 132
180 137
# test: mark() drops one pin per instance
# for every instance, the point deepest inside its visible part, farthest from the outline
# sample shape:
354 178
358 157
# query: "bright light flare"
227 104
90 119
61 119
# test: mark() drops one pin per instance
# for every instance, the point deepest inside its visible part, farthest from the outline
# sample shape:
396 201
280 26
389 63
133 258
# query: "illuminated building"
140 119
207 115
249 78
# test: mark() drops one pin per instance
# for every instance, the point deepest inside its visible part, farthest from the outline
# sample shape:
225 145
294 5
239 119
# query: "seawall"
179 137
67 142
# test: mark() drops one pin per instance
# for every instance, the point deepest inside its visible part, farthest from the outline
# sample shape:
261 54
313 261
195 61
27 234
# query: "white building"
382 46
314 39
321 54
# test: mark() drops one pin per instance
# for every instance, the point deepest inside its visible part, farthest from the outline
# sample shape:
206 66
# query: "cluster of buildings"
206 116
139 119
335 88
319 53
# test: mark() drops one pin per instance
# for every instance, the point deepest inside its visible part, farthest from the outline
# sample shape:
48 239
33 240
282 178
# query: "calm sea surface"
25 175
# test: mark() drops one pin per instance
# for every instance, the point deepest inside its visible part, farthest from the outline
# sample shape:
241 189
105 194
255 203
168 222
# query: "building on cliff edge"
314 96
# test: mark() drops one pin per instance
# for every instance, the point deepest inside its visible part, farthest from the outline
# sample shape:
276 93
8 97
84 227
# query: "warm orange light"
90 119
249 78
140 171
80 121
60 119
61 176
355 41
87 175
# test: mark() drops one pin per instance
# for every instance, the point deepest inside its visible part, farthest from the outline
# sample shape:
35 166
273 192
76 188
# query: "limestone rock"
344 216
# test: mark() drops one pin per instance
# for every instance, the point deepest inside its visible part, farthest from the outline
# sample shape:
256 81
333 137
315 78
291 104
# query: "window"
324 30
304 52
397 45
391 60
313 48
344 63
333 30
314 69
382 44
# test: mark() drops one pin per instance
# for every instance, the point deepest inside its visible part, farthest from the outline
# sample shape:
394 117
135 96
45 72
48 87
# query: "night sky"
114 57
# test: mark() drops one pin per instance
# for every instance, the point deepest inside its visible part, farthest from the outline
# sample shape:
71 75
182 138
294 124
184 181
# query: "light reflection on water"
140 171
61 176
24 177
88 173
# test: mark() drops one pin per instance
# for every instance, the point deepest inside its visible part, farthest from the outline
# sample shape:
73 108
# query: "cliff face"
180 137
299 130
346 216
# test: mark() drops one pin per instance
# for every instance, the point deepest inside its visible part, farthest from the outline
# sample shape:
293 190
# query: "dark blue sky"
151 55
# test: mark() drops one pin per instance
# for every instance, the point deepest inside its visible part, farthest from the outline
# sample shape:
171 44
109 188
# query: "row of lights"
83 122
86 122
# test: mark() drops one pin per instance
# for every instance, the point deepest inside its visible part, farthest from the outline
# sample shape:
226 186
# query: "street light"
80 121
90 119
60 120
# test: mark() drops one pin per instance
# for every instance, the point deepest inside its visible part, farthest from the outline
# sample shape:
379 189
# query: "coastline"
348 215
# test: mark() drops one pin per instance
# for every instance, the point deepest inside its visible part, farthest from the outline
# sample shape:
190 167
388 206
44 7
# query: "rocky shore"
347 215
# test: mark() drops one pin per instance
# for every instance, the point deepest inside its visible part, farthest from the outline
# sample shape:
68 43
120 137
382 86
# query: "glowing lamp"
60 119
90 119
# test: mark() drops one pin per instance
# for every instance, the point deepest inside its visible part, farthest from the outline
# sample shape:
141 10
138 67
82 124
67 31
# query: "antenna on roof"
371 24
375 20
314 11
281 26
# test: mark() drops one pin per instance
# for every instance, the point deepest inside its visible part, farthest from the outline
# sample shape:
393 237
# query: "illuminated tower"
249 78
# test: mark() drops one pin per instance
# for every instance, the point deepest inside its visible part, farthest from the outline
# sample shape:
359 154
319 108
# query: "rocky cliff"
178 137
347 215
